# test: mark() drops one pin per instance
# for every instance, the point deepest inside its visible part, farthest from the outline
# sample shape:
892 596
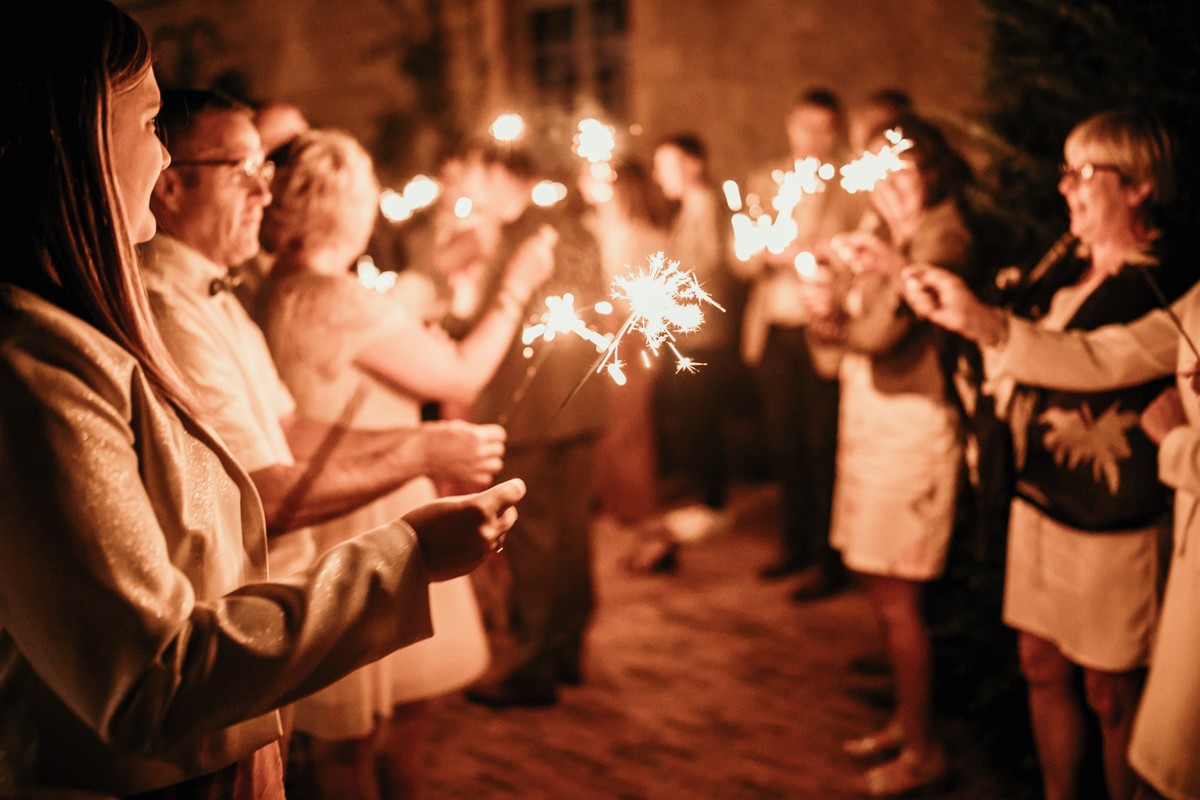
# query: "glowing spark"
604 307
462 207
733 197
617 374
560 317
595 141
861 174
372 277
548 193
775 233
664 301
806 265
507 127
418 193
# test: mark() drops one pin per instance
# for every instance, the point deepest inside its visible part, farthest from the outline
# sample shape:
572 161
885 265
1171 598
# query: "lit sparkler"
507 127
561 317
595 141
861 174
418 193
664 301
774 233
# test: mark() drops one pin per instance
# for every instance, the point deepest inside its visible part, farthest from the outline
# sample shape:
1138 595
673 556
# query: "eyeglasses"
250 168
1085 172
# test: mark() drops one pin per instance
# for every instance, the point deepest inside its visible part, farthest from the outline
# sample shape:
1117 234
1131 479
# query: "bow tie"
226 283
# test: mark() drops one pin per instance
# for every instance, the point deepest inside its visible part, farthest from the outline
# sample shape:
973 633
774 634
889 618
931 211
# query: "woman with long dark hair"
142 647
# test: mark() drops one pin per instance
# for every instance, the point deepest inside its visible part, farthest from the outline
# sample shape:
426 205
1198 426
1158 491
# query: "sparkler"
774 233
664 301
861 174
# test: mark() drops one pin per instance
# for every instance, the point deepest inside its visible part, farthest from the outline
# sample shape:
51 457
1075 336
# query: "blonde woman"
365 359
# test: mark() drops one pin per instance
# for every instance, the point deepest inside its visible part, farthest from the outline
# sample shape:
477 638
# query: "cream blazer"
139 643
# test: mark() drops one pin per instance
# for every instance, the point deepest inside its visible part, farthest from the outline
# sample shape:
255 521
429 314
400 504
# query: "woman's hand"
866 252
531 265
1163 415
457 533
943 298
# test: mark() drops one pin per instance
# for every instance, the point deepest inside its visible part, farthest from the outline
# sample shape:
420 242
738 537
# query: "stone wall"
402 74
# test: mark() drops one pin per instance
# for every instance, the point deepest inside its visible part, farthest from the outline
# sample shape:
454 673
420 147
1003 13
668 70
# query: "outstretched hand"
457 533
943 298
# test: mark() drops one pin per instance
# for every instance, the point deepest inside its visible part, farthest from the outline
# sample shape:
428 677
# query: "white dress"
315 325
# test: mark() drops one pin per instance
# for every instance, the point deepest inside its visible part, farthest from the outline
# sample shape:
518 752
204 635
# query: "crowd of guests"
256 483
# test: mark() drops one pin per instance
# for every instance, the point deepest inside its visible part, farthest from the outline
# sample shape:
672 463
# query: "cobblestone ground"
704 684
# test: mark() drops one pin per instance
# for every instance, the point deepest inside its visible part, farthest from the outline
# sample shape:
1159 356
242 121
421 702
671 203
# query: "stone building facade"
406 76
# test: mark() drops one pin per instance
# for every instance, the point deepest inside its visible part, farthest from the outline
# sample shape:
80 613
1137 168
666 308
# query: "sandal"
907 776
882 742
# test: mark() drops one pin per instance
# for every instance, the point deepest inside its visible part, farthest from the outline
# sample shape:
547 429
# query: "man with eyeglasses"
209 204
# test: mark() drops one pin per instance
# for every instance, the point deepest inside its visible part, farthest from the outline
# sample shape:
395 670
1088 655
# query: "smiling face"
1103 205
138 155
215 208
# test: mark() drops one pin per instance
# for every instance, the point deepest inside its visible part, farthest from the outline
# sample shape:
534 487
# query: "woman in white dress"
366 359
899 436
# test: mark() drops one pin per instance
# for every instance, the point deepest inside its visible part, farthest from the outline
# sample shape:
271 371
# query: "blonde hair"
1138 146
325 192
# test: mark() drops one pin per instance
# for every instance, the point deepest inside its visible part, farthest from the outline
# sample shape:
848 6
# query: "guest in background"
630 223
899 436
550 557
880 111
795 370
365 360
695 430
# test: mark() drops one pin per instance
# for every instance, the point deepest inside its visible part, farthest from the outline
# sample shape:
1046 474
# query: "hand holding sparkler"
863 251
943 298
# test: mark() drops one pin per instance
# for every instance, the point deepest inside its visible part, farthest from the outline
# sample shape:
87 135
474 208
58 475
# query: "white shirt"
224 356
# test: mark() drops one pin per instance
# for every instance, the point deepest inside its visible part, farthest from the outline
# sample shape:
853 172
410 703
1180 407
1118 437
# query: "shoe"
694 523
504 694
908 776
780 568
882 742
814 584
656 557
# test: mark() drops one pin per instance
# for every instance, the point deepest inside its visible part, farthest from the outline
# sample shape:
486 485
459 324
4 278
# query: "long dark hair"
66 236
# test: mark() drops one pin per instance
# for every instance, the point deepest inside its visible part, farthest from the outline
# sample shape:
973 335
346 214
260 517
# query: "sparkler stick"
560 318
1166 306
664 301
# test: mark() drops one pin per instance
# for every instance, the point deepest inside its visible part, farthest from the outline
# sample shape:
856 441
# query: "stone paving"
705 684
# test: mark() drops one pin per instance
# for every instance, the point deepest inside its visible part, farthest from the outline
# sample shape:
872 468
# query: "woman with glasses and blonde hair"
143 647
1090 516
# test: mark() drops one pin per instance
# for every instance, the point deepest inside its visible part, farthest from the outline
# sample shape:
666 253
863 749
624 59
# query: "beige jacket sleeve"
132 582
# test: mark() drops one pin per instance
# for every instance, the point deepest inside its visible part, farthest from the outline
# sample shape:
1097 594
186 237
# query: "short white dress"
315 325
898 464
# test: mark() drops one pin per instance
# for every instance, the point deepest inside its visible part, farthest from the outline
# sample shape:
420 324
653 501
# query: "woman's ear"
1137 192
